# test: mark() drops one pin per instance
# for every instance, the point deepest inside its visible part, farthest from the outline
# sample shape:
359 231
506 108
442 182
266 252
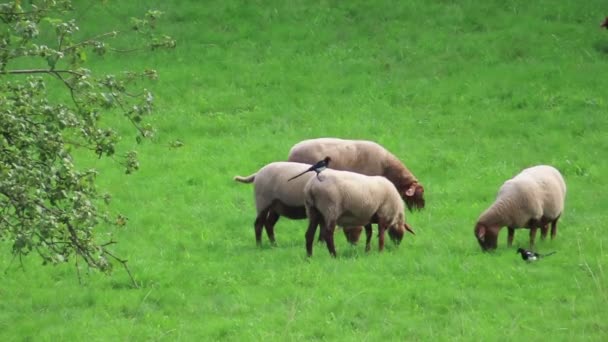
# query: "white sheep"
532 199
351 199
365 157
276 197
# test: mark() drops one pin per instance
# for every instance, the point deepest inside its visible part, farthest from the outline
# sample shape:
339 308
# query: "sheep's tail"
248 179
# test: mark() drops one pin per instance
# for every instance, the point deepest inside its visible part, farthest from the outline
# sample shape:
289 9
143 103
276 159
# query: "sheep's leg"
510 236
554 228
329 236
544 229
271 220
532 236
313 221
368 237
381 229
321 237
259 224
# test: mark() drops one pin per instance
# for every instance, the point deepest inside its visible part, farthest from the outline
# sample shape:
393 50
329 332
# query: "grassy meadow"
465 93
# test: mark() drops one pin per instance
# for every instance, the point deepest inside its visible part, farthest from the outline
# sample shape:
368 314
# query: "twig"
10 263
58 75
126 50
90 40
21 13
120 104
39 71
78 271
108 243
124 264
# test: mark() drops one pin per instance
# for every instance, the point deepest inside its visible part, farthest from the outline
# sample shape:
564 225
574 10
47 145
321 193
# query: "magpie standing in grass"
530 256
318 167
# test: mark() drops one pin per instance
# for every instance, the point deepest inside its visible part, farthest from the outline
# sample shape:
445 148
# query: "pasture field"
466 93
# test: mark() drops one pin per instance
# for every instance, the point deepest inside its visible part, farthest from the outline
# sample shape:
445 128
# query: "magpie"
530 256
318 167
604 23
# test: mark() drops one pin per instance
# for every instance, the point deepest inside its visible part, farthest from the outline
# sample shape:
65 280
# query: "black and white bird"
318 167
530 256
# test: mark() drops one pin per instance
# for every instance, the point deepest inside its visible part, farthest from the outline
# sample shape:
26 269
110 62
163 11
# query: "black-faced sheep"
532 199
276 197
365 157
351 199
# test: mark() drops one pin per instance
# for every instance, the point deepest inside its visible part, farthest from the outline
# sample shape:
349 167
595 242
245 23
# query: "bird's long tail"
296 176
248 179
546 255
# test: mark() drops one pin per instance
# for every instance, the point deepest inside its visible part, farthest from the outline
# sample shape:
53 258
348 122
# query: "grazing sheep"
351 199
365 157
532 199
276 197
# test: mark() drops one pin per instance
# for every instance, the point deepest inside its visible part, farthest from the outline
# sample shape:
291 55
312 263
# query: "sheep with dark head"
532 199
351 199
276 197
365 157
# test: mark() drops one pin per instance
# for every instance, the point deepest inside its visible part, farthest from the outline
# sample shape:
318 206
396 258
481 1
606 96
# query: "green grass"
465 93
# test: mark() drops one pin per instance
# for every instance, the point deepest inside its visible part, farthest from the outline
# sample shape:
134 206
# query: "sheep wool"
532 199
365 157
275 196
350 199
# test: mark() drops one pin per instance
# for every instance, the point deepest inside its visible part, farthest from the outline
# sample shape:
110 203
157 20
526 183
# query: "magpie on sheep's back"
318 167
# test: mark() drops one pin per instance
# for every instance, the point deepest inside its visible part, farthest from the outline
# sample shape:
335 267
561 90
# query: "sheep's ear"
409 229
411 191
480 232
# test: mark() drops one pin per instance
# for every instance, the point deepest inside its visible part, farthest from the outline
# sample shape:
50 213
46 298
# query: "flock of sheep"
366 184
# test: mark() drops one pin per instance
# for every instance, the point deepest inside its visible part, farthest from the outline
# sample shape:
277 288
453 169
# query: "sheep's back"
551 188
534 193
518 201
361 156
271 183
351 198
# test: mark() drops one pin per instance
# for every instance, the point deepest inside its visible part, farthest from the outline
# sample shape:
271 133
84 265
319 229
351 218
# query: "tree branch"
39 71
90 40
58 75
124 264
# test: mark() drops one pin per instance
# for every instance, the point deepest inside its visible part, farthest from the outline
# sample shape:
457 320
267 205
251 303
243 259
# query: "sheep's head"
413 195
397 232
352 234
486 236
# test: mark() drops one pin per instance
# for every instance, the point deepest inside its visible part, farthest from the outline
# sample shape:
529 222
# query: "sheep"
276 197
351 199
532 199
365 157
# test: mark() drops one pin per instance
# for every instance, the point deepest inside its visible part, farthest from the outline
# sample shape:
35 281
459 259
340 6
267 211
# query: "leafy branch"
47 205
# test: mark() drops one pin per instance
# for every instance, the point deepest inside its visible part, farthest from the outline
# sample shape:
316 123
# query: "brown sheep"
365 157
